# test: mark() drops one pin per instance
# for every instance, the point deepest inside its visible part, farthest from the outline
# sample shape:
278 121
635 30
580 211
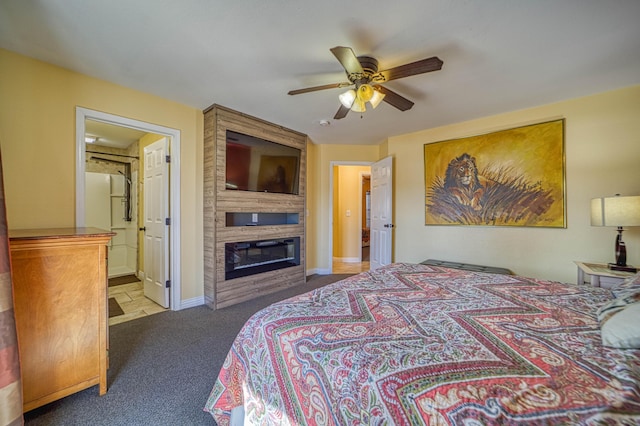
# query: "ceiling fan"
362 71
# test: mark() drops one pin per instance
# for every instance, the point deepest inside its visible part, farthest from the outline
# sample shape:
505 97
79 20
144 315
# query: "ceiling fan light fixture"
365 92
347 98
358 105
362 71
376 98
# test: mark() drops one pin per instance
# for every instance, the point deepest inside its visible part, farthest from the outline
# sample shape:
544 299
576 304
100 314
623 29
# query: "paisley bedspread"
414 344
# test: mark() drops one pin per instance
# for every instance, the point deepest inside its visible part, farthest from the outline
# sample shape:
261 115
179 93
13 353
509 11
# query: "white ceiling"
110 135
499 55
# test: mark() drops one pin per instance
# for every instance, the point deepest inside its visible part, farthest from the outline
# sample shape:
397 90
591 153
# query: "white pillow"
630 283
622 329
618 320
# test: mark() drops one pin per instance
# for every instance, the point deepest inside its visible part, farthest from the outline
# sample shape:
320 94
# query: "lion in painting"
461 181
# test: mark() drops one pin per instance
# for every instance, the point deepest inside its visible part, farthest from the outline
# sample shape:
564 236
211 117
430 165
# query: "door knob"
144 228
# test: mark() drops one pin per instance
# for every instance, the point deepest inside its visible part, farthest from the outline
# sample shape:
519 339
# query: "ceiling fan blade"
342 112
323 87
406 70
348 59
392 98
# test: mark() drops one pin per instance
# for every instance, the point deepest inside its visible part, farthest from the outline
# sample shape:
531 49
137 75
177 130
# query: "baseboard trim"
347 259
191 303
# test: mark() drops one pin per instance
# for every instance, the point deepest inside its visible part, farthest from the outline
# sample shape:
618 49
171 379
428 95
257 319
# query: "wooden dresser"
60 291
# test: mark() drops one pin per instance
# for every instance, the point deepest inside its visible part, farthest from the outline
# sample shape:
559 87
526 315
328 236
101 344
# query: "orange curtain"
10 383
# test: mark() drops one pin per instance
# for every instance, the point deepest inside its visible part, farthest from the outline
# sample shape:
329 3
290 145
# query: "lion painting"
461 180
493 195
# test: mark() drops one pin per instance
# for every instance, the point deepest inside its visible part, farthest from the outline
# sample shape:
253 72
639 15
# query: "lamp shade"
347 98
356 99
615 211
365 92
376 98
358 105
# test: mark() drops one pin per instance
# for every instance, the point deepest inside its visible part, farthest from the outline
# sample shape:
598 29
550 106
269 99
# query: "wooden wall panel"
209 203
218 201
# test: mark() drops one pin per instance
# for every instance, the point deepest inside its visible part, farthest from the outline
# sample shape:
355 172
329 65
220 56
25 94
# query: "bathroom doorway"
123 170
111 191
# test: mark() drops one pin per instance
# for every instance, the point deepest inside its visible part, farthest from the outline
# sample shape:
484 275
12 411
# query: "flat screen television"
254 164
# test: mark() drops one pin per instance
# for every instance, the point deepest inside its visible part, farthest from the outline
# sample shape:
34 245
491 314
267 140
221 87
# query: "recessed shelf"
261 219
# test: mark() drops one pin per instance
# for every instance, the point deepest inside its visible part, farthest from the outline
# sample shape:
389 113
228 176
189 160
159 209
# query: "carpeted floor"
162 367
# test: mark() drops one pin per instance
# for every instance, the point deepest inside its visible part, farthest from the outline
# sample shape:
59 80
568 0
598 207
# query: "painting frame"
512 177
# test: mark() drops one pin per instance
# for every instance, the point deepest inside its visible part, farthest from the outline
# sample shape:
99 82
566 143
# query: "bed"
412 344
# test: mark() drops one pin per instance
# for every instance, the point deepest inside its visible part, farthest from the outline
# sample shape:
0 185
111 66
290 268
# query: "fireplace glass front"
254 257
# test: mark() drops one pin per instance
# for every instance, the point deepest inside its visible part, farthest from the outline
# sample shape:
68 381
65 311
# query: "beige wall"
37 139
602 148
322 158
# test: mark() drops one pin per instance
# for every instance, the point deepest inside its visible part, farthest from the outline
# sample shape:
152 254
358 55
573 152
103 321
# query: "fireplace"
254 257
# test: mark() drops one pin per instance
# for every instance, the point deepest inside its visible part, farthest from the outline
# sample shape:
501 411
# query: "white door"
156 229
381 240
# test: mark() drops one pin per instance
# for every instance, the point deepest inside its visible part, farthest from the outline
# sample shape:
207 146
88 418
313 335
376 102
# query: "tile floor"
131 299
349 268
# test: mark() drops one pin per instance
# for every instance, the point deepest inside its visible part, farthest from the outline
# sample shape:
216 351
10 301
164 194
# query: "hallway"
350 267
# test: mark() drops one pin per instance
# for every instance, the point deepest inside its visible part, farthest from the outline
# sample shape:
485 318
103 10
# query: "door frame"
331 207
361 210
173 136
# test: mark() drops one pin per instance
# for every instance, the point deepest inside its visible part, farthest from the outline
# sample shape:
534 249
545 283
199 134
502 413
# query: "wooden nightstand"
599 275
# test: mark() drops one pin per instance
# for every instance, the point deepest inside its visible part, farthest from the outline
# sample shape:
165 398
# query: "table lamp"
617 211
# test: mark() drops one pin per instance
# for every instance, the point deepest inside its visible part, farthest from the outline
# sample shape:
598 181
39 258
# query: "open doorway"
349 243
169 257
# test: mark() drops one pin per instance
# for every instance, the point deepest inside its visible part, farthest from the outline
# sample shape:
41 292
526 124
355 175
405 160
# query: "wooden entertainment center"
248 219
